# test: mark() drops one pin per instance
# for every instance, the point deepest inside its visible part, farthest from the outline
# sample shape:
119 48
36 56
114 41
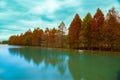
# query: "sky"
17 16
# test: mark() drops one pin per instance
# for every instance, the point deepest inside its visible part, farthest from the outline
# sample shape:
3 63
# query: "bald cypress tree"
97 23
85 33
112 30
74 30
60 35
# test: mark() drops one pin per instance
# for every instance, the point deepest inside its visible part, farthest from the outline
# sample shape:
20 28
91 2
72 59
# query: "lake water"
33 63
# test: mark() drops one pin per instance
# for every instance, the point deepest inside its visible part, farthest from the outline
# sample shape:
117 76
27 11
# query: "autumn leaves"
98 32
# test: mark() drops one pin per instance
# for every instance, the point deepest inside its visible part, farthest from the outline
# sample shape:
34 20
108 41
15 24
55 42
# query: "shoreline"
98 52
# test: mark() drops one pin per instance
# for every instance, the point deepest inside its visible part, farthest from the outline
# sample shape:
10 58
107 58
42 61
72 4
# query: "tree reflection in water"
38 55
80 66
93 67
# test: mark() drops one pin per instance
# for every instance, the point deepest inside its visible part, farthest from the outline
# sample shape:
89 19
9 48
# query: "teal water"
33 63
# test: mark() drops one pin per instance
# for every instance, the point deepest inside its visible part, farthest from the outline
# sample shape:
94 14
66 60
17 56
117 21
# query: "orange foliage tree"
74 30
37 37
97 23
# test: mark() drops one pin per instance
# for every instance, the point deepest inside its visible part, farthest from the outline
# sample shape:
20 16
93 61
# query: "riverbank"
86 51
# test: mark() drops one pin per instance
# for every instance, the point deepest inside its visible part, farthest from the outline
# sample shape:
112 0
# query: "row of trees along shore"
97 33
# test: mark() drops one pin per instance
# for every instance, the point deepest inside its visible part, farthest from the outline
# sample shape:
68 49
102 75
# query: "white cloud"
31 24
8 14
27 3
3 3
5 36
47 6
11 30
28 21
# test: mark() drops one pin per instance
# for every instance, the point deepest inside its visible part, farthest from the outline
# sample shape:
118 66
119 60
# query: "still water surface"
33 63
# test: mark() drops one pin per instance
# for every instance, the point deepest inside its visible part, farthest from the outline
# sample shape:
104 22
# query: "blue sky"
17 16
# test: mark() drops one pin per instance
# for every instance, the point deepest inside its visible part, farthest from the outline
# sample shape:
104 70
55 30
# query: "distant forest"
92 33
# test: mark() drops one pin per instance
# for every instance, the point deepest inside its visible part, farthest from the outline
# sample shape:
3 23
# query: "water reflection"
37 55
94 67
118 75
80 66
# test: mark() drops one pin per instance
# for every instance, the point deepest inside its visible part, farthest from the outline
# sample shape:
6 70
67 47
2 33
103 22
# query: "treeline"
4 42
98 32
48 38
